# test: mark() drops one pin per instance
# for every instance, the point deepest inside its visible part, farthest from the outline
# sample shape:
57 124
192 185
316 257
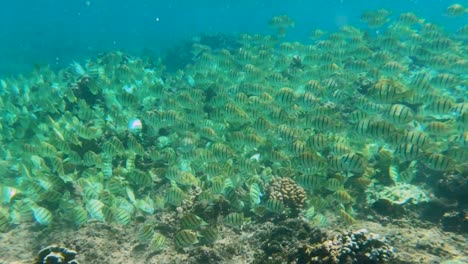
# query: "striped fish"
42 215
439 162
334 184
349 162
191 221
347 218
175 196
145 233
234 219
275 206
79 215
399 114
209 235
95 209
408 152
310 213
4 220
255 194
157 243
186 238
122 216
310 181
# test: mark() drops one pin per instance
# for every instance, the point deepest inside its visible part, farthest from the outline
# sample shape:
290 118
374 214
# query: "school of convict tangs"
239 135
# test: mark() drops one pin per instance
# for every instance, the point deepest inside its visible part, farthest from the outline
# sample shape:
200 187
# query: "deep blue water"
57 32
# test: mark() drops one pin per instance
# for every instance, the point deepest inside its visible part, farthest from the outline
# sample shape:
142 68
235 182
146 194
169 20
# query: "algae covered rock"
56 255
398 194
350 247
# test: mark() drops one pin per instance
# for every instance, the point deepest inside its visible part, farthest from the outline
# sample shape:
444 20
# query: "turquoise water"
177 129
57 32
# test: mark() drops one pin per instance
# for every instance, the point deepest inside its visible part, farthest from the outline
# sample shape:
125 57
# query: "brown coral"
288 192
350 247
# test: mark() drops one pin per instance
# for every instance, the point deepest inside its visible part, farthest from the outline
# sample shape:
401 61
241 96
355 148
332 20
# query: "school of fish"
118 137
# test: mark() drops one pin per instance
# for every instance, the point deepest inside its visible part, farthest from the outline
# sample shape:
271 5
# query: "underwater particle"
135 125
157 243
55 254
186 238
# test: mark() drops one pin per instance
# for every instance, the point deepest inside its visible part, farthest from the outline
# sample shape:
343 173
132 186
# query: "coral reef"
398 194
280 242
288 192
455 221
351 247
453 186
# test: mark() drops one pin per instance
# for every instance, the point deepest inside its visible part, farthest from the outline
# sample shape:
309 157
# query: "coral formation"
280 242
288 192
351 247
56 255
455 221
398 194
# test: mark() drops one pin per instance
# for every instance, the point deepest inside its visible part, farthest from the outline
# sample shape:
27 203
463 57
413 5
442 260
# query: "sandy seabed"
413 242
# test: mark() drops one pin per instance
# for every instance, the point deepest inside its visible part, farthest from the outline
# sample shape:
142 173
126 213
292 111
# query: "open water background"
57 32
